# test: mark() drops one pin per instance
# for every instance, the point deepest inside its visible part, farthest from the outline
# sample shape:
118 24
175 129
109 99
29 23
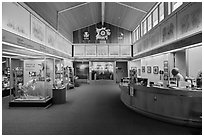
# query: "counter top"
169 91
180 106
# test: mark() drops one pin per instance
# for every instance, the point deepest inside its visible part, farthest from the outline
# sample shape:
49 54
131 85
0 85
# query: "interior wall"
115 36
194 61
121 71
135 64
153 61
180 62
81 70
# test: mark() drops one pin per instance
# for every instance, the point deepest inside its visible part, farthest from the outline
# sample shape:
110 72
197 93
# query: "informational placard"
37 30
114 50
15 19
90 50
79 50
125 50
33 67
102 50
50 37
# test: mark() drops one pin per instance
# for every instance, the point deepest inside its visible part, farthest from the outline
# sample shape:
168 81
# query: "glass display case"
60 82
59 75
71 77
33 83
6 77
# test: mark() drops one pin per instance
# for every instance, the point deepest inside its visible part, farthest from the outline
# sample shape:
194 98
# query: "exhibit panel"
12 19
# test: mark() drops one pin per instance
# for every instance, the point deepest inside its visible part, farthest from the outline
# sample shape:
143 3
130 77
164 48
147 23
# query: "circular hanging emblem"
103 33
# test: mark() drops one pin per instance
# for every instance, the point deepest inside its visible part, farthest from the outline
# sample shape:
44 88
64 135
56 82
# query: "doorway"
102 71
121 70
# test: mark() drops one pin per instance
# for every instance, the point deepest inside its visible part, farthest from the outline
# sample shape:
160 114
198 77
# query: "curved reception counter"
182 107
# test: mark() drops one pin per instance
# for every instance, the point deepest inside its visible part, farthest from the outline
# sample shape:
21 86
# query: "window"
149 21
144 27
133 36
169 8
137 36
138 32
155 17
172 6
161 11
175 5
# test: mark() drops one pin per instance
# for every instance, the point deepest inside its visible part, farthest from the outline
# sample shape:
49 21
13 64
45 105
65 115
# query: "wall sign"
102 33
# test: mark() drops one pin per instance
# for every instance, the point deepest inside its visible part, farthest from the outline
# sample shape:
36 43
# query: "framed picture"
149 69
155 69
143 69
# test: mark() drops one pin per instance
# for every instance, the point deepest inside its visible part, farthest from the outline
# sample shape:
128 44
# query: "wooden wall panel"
78 35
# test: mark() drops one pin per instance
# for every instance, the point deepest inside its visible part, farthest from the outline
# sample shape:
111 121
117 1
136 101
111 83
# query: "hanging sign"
102 33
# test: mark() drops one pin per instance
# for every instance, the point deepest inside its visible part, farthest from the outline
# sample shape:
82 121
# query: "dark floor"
90 109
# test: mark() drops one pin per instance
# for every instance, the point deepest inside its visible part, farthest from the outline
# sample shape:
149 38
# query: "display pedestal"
31 103
6 92
59 96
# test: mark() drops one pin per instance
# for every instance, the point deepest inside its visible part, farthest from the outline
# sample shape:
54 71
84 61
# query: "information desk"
171 105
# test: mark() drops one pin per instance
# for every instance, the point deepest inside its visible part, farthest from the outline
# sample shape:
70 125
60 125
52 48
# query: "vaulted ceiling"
70 16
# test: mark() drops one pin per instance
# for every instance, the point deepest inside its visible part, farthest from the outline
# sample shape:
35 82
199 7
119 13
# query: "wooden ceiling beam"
132 7
61 11
102 12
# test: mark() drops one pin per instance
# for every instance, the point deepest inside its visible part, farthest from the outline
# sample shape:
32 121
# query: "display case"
60 82
71 77
7 88
59 75
33 83
18 79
